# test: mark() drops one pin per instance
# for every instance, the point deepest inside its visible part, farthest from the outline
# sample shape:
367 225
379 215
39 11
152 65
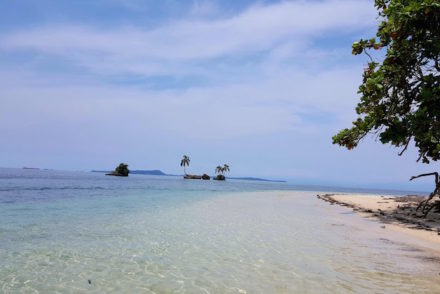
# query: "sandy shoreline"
395 213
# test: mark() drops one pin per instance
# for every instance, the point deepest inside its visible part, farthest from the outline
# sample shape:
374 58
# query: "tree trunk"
426 207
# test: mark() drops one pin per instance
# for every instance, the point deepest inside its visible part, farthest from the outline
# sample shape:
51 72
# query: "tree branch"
426 175
371 59
404 149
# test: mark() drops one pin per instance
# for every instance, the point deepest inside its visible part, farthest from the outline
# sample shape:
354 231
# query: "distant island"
157 172
154 172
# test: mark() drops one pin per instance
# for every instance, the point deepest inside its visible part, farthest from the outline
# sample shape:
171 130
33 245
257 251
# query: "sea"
83 232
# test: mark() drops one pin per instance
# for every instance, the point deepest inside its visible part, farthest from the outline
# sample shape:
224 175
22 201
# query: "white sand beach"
397 213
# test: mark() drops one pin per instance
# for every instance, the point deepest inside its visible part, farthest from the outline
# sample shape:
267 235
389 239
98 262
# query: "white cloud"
259 28
258 107
204 9
267 95
259 80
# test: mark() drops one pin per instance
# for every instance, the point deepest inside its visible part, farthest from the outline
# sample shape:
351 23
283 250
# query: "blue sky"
261 85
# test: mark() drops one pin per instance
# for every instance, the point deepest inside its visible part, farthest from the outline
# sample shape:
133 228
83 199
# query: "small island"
120 171
220 170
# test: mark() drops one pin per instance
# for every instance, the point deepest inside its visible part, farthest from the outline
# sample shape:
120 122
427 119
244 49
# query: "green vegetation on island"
220 170
120 171
400 93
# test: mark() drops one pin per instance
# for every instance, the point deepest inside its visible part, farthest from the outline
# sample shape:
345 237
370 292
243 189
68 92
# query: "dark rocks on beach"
409 198
421 227
205 177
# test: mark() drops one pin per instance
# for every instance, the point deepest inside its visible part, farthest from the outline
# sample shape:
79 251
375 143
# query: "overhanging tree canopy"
400 96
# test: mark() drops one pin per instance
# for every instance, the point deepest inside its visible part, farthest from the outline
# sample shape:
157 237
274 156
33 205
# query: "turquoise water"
144 234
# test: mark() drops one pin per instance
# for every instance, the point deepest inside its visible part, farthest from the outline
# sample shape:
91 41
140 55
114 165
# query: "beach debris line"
399 209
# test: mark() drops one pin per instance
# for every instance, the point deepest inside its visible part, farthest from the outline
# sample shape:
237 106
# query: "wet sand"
396 213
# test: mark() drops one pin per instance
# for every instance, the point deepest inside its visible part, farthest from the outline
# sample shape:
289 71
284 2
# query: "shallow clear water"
58 230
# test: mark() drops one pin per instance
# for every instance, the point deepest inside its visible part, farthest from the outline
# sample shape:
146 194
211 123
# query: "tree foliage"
185 162
400 96
122 170
222 169
219 170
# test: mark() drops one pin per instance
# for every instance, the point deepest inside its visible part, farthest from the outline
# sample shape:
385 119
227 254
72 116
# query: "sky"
260 85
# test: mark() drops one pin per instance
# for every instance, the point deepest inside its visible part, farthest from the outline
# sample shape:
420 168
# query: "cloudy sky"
261 85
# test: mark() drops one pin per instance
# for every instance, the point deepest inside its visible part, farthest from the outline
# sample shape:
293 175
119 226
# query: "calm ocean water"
85 232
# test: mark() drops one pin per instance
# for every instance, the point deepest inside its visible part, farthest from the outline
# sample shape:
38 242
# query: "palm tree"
185 162
226 168
219 170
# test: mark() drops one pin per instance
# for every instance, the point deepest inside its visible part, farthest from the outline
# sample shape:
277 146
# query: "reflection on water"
171 238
